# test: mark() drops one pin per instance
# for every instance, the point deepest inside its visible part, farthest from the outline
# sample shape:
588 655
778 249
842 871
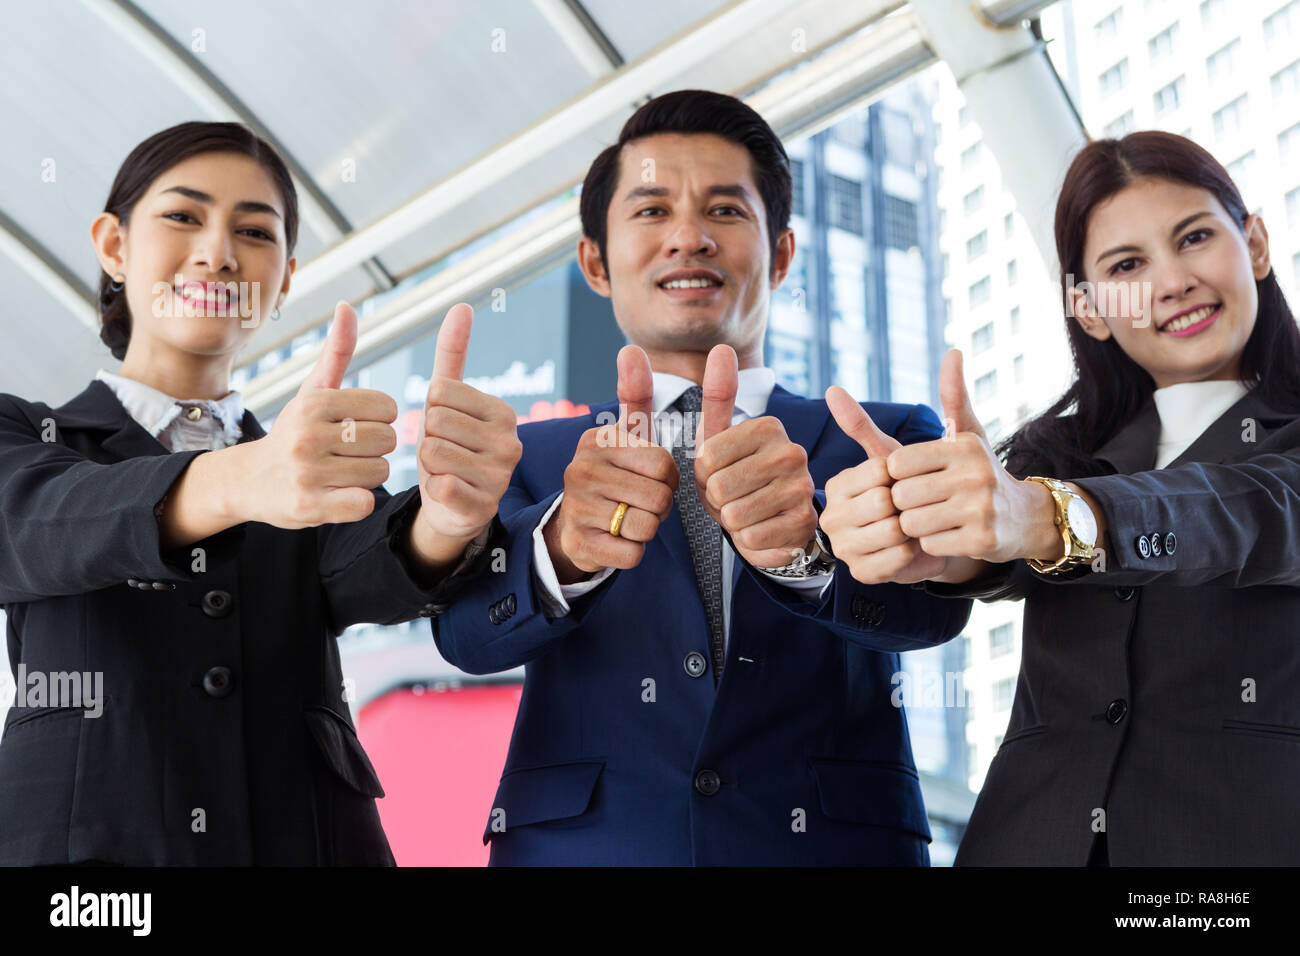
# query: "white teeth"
1182 322
690 284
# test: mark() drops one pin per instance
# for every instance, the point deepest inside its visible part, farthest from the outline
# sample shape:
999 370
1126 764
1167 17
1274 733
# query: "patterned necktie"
702 532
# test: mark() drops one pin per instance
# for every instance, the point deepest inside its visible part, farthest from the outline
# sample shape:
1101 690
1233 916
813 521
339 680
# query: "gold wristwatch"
1077 524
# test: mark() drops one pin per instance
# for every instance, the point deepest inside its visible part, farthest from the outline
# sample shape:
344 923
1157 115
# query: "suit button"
433 608
510 603
132 582
708 782
1170 543
1116 710
695 664
1143 544
218 682
163 586
217 603
1156 549
877 615
493 616
1124 593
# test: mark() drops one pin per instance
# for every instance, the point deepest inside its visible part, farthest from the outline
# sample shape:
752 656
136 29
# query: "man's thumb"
717 393
857 424
337 351
636 392
453 342
959 414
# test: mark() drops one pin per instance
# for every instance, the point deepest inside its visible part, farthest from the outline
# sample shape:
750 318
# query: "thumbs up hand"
750 477
326 450
860 517
617 462
955 497
469 448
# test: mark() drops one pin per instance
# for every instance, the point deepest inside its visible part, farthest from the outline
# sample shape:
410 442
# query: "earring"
118 283
275 314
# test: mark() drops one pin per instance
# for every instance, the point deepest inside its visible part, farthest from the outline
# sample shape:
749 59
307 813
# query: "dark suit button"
510 603
433 608
493 616
1124 593
695 664
877 615
217 603
1143 546
163 586
1116 710
1156 549
133 582
855 606
708 782
218 682
1170 543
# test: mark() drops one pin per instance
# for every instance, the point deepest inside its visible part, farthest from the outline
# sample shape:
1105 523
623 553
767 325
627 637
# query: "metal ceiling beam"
205 88
49 272
1011 13
582 35
629 85
846 77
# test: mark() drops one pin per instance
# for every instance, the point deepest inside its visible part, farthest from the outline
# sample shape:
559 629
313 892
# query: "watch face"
1082 523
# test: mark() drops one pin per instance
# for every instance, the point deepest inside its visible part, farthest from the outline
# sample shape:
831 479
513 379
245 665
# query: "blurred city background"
438 146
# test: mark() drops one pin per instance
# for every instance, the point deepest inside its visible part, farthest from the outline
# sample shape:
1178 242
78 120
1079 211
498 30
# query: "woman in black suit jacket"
1156 719
174 577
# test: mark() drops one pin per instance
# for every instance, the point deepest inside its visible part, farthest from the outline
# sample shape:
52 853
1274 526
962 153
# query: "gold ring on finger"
616 523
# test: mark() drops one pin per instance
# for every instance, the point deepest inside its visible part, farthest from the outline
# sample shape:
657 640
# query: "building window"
1018 369
1280 25
1000 640
1211 10
1012 272
963 116
973 201
1287 141
796 177
1009 225
1120 126
945 265
1169 97
1114 79
1108 26
900 138
1004 692
1295 268
1222 63
1293 208
986 386
981 339
977 245
1229 119
1162 44
900 223
1015 320
970 156
845 197
1286 81
1242 172
979 292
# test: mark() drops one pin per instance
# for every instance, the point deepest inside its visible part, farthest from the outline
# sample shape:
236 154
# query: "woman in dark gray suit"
1157 714
174 577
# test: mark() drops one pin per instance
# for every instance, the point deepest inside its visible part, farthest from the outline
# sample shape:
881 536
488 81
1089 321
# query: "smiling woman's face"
204 254
1172 277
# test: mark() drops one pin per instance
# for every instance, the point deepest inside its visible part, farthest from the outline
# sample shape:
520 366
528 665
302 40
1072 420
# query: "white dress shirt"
180 424
1187 409
754 388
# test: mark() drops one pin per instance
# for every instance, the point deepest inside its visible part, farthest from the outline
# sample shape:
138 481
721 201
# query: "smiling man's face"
689 261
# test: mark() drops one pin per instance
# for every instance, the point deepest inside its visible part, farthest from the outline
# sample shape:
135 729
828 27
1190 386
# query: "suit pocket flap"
342 750
537 794
878 794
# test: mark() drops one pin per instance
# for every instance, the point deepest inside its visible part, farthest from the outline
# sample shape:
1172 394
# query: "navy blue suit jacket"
621 756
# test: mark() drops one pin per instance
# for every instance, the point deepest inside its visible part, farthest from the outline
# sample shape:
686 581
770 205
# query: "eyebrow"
247 205
733 191
1172 232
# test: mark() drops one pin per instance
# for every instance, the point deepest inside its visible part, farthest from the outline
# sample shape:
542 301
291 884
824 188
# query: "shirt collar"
753 389
155 410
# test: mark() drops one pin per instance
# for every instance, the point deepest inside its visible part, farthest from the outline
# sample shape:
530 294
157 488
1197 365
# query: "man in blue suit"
705 683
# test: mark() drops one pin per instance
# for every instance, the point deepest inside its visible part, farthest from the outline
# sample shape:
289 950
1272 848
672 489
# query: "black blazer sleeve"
71 525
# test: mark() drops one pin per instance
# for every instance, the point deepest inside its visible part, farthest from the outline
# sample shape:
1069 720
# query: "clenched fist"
613 463
470 446
751 478
326 450
860 517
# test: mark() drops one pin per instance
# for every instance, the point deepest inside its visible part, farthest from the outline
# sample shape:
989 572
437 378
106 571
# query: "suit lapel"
97 408
1134 446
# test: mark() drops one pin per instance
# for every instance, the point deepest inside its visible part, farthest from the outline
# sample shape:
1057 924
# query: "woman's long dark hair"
159 153
1109 388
